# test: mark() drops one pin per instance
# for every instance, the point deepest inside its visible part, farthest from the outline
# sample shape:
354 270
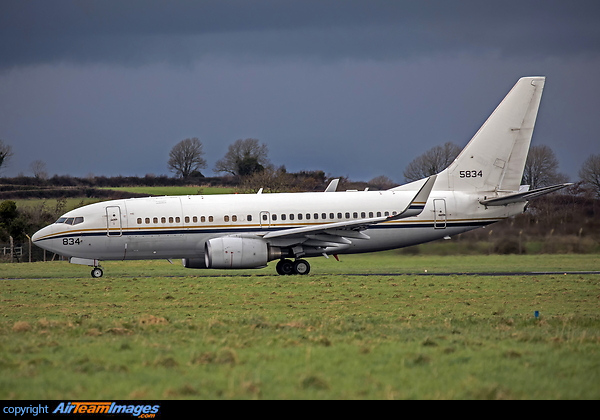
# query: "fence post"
12 248
29 240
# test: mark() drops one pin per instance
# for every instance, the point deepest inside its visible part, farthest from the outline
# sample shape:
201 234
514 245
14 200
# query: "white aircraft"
480 187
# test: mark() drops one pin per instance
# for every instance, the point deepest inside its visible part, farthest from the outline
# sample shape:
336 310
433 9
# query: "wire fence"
25 252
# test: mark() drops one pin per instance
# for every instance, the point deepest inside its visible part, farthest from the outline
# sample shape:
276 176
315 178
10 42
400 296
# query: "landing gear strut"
286 267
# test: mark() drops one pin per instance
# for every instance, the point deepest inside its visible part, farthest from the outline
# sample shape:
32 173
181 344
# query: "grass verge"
149 330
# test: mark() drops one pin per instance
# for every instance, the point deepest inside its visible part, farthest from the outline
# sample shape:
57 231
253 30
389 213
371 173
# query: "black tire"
285 267
97 272
301 267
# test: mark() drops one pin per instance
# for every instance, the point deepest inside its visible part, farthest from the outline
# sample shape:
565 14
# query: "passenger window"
187 219
387 213
274 217
155 220
147 220
234 218
170 219
362 214
307 216
163 220
299 216
355 215
283 217
264 217
210 218
378 214
226 218
203 219
291 216
370 214
339 215
178 219
347 215
249 218
195 219
139 221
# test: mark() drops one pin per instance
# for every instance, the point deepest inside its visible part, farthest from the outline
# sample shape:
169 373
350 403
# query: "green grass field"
191 190
71 203
152 330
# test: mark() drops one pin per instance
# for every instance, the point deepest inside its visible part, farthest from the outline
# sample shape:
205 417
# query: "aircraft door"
439 213
113 221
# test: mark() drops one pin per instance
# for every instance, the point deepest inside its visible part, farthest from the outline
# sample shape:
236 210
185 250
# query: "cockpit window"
70 220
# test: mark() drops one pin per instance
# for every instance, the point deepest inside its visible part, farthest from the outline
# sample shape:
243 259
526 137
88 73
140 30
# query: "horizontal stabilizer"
522 196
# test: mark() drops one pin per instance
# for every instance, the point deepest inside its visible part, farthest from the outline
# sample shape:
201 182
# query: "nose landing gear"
287 267
97 272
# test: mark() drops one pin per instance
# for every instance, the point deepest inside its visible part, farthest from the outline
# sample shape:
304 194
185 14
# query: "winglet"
417 204
332 185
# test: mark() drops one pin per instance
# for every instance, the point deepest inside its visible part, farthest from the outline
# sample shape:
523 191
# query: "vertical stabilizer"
495 157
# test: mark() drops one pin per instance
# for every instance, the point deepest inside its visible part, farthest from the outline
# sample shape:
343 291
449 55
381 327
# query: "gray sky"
355 88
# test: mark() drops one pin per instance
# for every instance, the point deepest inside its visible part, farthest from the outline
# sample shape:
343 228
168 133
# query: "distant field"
193 190
152 330
72 203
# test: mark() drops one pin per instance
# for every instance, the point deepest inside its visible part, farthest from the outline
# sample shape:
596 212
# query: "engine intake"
239 252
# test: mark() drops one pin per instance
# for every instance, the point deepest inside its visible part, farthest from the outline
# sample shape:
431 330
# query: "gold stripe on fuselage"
166 229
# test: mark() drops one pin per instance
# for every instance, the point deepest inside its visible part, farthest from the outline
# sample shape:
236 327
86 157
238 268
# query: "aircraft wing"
522 195
334 234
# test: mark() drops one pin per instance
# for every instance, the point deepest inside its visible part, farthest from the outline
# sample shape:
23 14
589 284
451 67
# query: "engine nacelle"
193 262
238 252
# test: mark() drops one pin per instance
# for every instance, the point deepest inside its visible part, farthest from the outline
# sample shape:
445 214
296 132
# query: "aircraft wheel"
301 267
285 267
97 272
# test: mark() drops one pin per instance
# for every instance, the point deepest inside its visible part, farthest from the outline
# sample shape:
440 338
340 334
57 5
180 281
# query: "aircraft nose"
36 236
41 234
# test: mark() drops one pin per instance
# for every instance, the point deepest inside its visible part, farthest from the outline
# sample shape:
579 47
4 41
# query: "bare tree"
270 180
541 168
186 157
38 167
590 173
382 182
5 154
244 157
431 162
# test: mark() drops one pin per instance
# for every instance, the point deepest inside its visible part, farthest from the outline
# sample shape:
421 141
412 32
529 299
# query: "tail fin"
495 157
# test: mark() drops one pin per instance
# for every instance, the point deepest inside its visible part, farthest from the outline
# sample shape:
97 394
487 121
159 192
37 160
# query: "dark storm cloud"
138 32
87 86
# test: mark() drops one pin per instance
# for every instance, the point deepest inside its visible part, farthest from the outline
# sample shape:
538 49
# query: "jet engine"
239 252
194 262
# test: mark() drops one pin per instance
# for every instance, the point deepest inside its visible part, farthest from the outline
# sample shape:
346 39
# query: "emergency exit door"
439 213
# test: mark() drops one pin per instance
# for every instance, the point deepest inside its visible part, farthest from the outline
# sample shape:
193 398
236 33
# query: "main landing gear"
287 267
